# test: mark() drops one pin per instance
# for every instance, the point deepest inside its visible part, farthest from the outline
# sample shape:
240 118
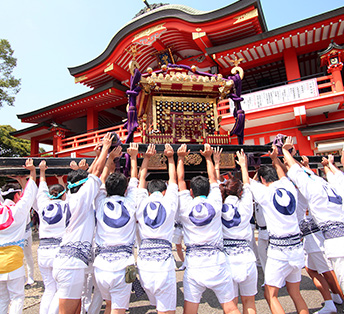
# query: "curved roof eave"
111 84
168 11
276 31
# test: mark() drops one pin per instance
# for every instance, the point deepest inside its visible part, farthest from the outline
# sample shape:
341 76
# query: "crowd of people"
90 225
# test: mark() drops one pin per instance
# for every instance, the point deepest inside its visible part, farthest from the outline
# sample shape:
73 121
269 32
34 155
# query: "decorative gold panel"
157 162
192 159
186 119
227 160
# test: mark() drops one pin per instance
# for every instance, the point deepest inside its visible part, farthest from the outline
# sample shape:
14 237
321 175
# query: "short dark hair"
268 173
156 185
233 186
116 184
14 186
75 176
56 189
200 186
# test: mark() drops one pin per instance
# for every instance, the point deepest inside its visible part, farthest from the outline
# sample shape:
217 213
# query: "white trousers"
29 259
50 288
12 293
263 252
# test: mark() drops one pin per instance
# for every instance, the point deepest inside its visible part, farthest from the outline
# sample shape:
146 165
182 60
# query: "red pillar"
34 150
303 144
291 64
92 119
337 77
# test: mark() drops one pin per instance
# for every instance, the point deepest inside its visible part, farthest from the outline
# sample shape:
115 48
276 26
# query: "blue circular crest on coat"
158 211
333 197
53 213
118 222
208 212
287 209
235 221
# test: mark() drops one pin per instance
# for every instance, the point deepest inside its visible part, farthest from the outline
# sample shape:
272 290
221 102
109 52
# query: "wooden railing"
90 138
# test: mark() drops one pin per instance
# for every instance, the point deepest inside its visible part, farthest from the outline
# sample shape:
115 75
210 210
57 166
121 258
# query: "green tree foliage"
9 85
11 146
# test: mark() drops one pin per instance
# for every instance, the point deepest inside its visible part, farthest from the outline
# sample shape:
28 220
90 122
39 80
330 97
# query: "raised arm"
30 166
169 153
289 159
100 162
305 162
206 153
217 157
277 164
242 162
182 152
331 164
133 150
110 165
97 149
144 167
21 180
42 168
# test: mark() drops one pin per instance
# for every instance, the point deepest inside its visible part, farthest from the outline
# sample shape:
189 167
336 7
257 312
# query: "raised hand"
43 165
331 159
116 152
83 164
182 151
133 149
29 164
242 159
97 149
168 152
150 151
217 154
305 161
107 140
73 165
274 153
207 152
288 144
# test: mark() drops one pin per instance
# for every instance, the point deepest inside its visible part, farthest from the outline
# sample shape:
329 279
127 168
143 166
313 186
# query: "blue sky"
49 36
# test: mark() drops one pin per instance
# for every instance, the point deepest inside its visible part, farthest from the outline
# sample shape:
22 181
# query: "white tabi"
237 232
115 236
54 216
75 249
156 215
325 205
12 229
206 264
278 202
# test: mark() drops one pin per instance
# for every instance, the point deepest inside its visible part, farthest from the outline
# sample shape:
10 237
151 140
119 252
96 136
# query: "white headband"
9 191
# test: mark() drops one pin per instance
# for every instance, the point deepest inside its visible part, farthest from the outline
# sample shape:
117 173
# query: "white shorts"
318 261
70 282
248 281
216 278
338 267
113 287
161 289
277 272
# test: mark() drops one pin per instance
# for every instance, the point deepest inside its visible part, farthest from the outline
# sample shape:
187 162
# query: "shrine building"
291 83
